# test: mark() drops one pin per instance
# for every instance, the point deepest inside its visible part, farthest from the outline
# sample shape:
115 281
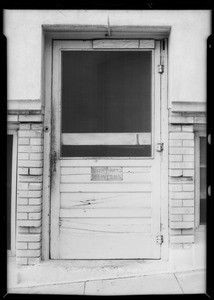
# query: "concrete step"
65 271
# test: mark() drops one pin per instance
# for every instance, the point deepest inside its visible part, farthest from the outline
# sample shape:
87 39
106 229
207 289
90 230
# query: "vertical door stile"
55 195
156 168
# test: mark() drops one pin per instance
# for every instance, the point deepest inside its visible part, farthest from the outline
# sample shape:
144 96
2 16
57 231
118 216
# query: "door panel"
105 207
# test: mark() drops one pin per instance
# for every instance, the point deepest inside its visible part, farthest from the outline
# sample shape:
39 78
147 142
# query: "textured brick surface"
29 190
181 180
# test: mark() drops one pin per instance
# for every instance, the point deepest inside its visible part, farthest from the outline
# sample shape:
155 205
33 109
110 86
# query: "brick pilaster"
181 181
29 190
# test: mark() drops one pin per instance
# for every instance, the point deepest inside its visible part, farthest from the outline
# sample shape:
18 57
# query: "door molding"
48 57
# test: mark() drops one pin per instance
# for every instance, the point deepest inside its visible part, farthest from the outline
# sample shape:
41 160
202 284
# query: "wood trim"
116 44
46 152
106 138
65 31
164 155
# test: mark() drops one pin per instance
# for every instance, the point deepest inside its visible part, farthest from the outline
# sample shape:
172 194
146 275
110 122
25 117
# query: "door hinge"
159 147
160 69
53 160
159 239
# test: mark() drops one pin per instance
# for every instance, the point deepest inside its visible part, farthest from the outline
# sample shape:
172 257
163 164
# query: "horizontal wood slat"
148 44
106 138
85 175
105 213
124 44
106 162
87 170
105 200
106 225
115 44
105 187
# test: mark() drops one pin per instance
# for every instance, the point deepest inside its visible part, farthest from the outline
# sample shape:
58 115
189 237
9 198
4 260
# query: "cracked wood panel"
105 200
110 225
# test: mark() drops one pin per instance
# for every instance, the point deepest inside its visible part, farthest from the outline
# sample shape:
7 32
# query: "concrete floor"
167 283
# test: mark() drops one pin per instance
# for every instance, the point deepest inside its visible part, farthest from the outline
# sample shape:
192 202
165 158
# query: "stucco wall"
187 46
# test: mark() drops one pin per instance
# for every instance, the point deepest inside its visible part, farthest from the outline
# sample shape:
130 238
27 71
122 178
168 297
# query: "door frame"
46 100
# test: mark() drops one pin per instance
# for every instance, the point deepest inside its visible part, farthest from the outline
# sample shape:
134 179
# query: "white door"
105 191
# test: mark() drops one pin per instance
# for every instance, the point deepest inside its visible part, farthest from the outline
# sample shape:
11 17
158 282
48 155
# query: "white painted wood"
105 213
113 246
105 200
85 175
47 151
56 113
106 138
147 44
136 199
105 225
156 170
101 162
105 187
164 155
72 32
87 170
12 252
115 44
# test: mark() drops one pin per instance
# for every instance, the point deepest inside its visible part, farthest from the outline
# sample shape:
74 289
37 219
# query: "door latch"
54 158
159 147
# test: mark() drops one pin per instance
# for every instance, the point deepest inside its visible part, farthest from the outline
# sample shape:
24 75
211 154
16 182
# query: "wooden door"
105 190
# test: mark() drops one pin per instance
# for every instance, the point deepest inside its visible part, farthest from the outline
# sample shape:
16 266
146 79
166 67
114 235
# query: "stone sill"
188 107
24 107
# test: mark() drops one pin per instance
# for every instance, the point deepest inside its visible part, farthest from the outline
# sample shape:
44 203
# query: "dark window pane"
203 211
91 151
203 150
9 181
106 91
203 183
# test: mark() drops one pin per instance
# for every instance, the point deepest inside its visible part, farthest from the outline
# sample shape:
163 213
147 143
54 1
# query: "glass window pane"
106 91
105 151
203 211
203 153
203 183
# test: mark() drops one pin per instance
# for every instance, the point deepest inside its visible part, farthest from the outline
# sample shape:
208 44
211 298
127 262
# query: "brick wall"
181 178
29 189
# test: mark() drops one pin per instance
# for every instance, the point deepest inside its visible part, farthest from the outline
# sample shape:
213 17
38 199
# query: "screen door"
105 192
